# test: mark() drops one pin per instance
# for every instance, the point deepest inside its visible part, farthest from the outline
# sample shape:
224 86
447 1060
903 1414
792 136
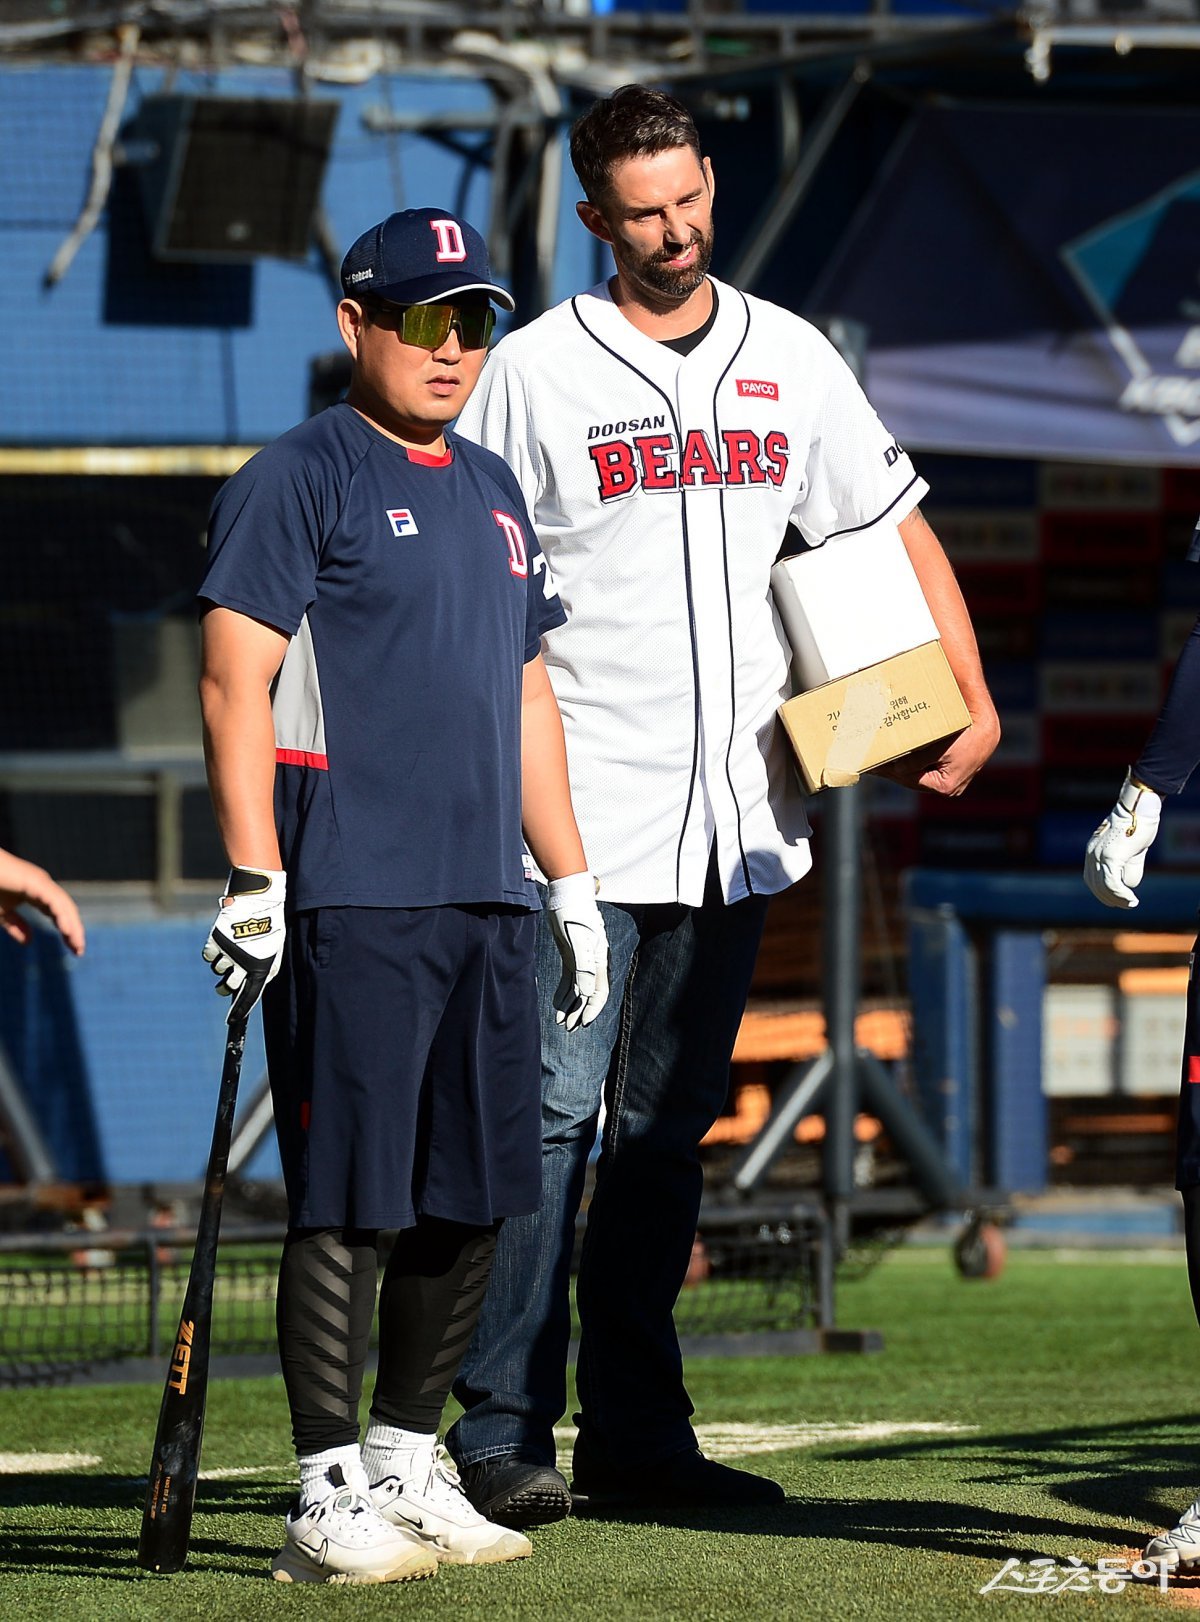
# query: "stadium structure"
994 212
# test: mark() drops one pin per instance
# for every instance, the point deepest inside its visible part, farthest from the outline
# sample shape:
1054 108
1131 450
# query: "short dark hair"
634 122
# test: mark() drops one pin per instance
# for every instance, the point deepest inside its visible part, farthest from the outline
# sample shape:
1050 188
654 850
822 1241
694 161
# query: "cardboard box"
846 727
850 603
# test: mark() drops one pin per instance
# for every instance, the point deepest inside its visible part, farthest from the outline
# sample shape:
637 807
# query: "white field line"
234 1471
19 1464
719 1441
1159 1257
734 1440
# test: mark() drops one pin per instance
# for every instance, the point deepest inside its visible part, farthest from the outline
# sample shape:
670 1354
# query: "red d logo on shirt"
518 557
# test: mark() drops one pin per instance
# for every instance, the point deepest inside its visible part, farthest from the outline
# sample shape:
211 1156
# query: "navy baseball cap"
420 256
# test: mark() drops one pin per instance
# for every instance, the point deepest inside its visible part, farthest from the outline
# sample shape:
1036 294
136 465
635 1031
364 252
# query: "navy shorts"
403 1050
1187 1138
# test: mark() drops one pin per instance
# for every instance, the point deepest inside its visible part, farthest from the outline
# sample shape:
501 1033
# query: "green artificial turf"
1075 1368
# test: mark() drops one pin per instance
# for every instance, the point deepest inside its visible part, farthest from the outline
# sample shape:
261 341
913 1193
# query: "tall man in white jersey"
665 428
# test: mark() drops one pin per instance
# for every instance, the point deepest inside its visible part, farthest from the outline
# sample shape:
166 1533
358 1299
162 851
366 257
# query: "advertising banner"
1030 282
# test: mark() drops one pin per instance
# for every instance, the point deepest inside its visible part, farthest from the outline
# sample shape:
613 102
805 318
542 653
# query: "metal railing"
89 1304
163 778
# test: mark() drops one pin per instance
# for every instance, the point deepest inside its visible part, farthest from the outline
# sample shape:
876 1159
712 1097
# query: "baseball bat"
175 1464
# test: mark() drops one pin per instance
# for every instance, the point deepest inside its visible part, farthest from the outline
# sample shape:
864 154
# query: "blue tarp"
1029 279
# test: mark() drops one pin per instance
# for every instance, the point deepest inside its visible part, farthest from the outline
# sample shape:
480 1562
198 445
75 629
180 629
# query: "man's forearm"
239 751
948 768
950 614
240 659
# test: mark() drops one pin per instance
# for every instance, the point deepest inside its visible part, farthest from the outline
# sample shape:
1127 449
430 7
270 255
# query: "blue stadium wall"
118 1054
129 351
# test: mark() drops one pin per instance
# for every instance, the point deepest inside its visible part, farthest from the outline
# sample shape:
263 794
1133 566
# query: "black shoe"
683 1478
511 1491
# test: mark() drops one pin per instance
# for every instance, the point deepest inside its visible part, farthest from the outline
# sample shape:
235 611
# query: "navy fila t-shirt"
414 592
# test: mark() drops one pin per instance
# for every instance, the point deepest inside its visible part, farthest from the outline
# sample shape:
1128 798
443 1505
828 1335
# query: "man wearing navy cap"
380 732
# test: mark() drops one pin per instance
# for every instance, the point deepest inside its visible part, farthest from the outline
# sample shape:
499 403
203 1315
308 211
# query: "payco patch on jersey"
402 522
757 388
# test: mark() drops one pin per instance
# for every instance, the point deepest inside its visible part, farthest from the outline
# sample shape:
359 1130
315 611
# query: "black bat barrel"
175 1466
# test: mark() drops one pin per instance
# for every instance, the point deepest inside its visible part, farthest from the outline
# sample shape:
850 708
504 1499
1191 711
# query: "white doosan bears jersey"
660 487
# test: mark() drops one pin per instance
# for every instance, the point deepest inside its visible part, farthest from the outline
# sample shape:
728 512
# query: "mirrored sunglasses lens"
429 325
476 326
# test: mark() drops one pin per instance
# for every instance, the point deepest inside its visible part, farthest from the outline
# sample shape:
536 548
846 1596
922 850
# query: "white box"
849 726
1151 1047
1079 1036
851 603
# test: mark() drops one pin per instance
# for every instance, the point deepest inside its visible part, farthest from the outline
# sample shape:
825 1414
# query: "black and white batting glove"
578 930
1116 852
245 944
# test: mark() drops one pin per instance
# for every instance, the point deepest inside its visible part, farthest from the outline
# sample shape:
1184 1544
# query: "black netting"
74 1303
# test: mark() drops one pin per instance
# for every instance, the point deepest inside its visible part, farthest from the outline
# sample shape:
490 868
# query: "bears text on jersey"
654 462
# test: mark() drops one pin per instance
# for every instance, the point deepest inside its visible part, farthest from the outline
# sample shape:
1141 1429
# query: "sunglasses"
428 325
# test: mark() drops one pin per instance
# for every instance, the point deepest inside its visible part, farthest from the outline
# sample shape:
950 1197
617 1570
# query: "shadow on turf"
950 1528
76 1546
1146 1470
1141 1469
772 1520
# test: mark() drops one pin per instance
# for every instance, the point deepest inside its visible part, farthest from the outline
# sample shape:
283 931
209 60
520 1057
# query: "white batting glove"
578 930
1116 852
245 944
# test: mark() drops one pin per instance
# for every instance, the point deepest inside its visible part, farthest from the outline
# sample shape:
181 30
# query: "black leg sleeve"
429 1302
323 1315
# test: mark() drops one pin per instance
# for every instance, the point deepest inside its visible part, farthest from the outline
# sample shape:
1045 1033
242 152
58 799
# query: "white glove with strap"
245 944
1116 852
578 930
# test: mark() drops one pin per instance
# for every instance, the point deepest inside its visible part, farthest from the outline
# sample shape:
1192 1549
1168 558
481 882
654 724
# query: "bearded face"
657 218
659 269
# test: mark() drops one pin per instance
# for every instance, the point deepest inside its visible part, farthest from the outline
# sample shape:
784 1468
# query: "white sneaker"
1181 1545
430 1504
344 1539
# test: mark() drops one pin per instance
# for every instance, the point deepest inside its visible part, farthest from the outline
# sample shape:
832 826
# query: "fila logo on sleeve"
451 249
402 521
518 557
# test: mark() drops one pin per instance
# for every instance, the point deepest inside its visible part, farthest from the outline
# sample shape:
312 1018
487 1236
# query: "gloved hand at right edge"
245 944
1116 852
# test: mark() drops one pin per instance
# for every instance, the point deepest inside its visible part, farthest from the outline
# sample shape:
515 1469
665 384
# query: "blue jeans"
659 1055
